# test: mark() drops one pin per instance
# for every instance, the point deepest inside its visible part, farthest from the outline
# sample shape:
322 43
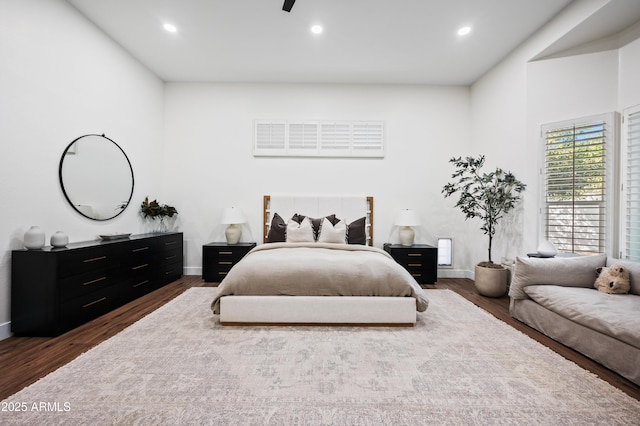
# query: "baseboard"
455 273
192 270
5 330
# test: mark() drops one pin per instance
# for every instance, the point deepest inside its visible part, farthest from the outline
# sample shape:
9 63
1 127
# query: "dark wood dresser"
219 258
56 289
421 260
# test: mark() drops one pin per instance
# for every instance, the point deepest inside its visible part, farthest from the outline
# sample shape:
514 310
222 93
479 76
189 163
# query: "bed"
317 265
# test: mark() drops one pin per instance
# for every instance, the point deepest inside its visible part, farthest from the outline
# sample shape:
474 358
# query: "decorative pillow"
613 279
300 232
316 223
278 230
330 233
356 232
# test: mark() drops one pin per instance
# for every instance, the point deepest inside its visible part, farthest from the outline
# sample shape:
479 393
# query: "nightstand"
218 258
421 260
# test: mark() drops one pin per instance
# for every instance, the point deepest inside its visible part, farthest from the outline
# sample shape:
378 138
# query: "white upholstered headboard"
348 208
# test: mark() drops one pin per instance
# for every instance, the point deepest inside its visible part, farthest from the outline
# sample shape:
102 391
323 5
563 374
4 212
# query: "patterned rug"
458 366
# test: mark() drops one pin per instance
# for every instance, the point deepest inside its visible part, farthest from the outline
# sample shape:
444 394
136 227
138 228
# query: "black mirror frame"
64 153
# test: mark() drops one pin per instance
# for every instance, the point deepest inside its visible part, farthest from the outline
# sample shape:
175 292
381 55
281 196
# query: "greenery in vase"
153 209
486 196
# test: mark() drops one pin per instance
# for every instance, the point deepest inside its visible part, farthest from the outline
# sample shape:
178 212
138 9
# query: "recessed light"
317 29
170 27
464 31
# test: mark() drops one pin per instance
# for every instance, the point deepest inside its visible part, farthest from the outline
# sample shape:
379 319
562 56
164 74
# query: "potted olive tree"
488 197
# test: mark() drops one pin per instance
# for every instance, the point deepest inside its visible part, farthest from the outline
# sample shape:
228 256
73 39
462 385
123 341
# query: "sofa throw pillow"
278 230
330 233
613 279
566 271
356 232
300 232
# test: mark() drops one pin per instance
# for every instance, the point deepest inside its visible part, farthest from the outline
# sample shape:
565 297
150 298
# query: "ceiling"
364 41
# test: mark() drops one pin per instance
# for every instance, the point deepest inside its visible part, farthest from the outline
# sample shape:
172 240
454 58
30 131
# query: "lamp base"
407 234
233 233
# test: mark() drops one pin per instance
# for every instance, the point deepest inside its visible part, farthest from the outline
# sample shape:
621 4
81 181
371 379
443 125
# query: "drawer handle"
170 257
416 275
139 284
414 264
415 254
140 249
144 265
94 302
169 272
168 243
222 273
225 252
225 263
94 259
94 281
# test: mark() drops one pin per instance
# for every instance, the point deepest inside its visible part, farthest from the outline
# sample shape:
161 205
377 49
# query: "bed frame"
318 310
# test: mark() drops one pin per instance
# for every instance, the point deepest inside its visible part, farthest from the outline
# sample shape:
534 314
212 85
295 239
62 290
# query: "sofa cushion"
634 272
616 315
577 271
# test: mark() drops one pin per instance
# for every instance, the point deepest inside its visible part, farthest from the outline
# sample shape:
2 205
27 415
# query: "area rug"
459 365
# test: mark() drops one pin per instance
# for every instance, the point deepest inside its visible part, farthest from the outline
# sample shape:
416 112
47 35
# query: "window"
318 138
631 184
578 184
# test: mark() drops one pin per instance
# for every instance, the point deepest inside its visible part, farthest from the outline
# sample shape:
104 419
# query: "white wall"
629 85
504 120
61 78
209 135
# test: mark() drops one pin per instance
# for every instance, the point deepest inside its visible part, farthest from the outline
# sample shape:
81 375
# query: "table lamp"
405 220
233 217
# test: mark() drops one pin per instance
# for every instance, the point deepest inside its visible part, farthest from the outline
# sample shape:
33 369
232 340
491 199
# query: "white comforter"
319 269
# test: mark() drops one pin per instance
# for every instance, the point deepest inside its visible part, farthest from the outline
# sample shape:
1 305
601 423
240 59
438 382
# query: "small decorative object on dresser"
59 239
233 217
155 210
218 258
34 238
421 260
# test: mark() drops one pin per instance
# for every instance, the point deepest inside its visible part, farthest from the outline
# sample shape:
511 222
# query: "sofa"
556 297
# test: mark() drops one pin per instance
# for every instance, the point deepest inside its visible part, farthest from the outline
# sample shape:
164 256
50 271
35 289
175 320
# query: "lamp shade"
232 215
407 217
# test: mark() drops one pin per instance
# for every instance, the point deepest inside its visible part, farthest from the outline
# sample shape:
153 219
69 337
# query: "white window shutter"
631 181
269 138
319 139
368 139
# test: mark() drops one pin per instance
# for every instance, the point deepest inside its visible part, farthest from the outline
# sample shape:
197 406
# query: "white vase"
547 249
59 239
233 233
34 238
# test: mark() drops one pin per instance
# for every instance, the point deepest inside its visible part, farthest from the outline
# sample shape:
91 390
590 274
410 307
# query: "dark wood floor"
23 360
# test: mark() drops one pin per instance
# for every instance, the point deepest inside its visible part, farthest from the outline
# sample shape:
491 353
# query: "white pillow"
330 233
300 232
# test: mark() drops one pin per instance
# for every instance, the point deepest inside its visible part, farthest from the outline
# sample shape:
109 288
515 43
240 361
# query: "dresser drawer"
171 242
76 262
171 255
84 308
78 285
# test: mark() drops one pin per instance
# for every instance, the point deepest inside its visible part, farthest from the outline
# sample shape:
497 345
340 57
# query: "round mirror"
96 177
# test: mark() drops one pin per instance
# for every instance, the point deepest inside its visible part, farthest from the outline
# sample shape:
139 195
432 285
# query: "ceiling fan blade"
288 4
